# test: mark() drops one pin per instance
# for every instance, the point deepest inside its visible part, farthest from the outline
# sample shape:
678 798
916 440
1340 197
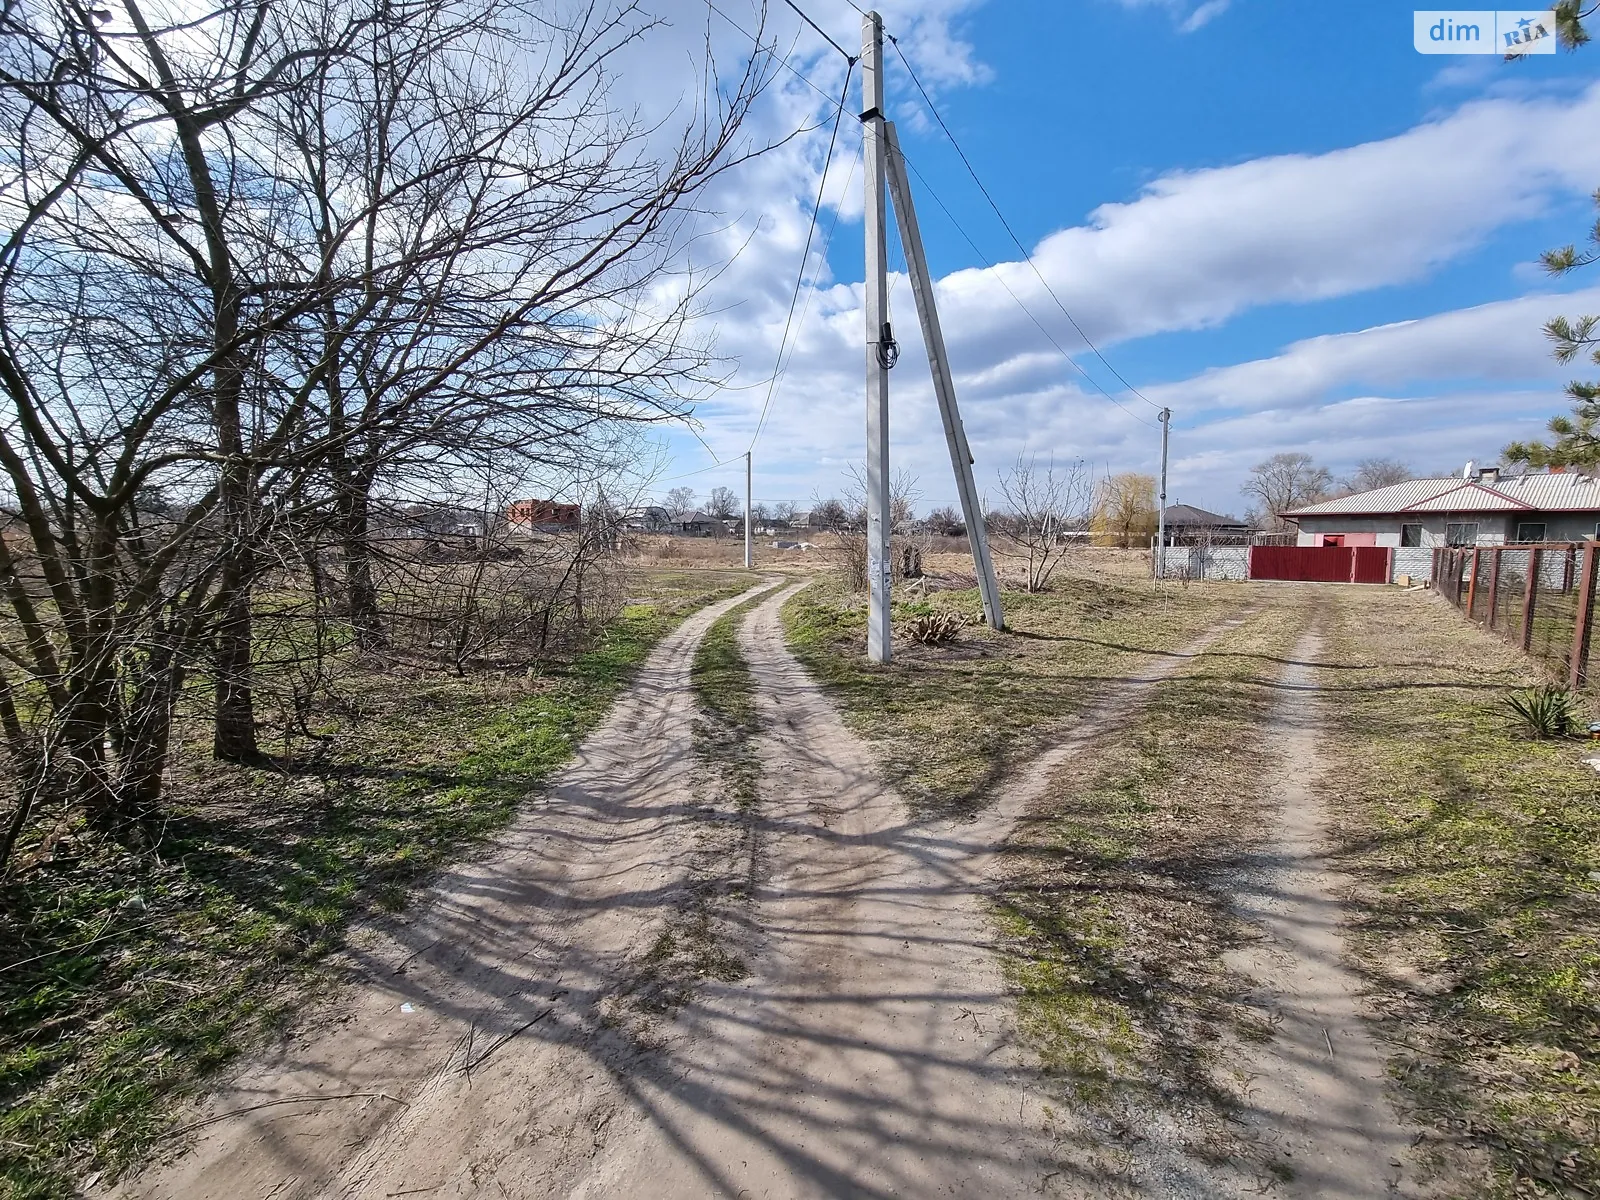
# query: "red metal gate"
1321 564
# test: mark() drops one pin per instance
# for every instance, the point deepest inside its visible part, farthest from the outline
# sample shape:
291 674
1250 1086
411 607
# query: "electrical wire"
1026 256
984 259
805 257
848 56
772 52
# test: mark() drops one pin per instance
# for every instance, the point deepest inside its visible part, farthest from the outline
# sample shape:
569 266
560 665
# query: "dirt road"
1318 1091
489 1048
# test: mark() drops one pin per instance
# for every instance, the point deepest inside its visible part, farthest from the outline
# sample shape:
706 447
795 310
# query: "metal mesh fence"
1540 598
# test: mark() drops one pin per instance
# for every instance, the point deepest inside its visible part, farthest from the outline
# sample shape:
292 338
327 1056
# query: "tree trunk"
361 593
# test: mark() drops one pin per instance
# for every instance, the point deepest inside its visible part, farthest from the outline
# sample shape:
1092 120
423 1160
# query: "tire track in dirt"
1318 1089
871 1050
529 941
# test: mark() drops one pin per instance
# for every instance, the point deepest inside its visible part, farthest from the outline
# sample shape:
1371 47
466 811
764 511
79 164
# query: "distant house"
544 516
697 524
1481 508
1190 526
650 519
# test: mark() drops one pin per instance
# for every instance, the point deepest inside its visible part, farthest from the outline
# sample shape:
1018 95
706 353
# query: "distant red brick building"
546 516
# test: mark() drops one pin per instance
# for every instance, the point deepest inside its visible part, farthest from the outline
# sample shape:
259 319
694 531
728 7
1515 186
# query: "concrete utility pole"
1161 501
944 385
878 342
749 556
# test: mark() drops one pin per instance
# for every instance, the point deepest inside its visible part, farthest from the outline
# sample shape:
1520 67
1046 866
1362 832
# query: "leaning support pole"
944 386
879 340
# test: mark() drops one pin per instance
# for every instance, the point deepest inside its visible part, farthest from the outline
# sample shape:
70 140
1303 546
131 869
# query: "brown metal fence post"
1494 583
1527 599
1472 584
1578 664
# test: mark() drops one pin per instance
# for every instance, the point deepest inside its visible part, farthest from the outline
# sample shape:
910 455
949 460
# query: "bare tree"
1281 483
946 522
1039 506
680 502
723 504
264 260
1373 473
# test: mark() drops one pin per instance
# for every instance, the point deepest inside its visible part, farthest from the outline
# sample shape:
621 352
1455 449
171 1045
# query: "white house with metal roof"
1482 508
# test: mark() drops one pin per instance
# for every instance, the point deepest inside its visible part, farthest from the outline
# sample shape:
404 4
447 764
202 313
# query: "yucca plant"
1543 712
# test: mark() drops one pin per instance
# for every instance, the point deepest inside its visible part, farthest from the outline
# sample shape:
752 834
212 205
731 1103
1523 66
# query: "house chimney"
1489 474
1466 471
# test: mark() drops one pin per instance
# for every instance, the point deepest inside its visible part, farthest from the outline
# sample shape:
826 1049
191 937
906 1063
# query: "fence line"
1538 597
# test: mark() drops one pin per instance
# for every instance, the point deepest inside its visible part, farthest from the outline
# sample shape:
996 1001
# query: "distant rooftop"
1543 492
1180 515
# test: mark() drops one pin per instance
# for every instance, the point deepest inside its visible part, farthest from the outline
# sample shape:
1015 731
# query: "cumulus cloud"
1191 251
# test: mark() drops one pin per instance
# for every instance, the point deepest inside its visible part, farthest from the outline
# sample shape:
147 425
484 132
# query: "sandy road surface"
867 1052
537 932
1318 1088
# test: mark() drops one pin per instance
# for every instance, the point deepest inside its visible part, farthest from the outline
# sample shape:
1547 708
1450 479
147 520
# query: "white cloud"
1193 250
1188 16
1203 15
1497 343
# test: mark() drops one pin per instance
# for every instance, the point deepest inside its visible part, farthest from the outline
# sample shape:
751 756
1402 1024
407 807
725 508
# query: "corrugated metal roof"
1394 498
1565 492
1471 497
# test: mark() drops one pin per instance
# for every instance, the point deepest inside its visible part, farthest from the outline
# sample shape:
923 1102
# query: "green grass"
1114 908
1479 858
196 949
950 720
726 693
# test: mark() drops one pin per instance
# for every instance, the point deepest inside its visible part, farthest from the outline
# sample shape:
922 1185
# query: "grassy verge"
126 978
1115 906
949 720
1478 857
726 692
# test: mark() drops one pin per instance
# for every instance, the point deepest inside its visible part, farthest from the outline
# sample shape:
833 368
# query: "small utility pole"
1161 502
944 386
878 342
749 555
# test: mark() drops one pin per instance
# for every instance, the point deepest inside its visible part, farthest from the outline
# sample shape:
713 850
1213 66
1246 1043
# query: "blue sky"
1277 218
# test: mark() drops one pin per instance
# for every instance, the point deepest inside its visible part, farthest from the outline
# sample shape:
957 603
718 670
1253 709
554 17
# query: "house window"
1464 533
1530 531
1411 535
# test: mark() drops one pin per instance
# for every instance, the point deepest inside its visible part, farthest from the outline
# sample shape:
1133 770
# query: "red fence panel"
1371 564
1310 564
1321 564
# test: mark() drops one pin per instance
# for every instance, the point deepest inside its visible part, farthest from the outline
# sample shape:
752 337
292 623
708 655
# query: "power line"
1027 257
772 52
984 259
850 58
805 256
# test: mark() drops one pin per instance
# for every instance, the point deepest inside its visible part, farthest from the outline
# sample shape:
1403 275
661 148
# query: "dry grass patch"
1478 860
950 719
1115 902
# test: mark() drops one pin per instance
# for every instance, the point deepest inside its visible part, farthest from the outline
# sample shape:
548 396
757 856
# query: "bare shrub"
1040 508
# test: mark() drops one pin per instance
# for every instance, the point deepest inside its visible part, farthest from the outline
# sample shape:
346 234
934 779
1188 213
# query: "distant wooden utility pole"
749 555
880 342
